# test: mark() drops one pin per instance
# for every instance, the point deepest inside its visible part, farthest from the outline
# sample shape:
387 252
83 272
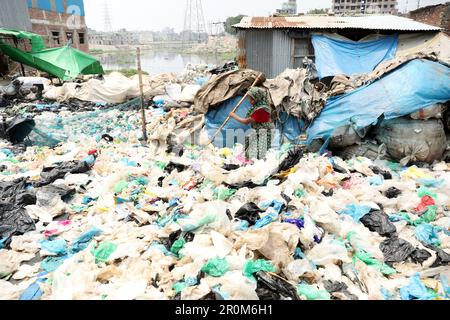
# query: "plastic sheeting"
287 126
66 63
415 85
335 56
215 117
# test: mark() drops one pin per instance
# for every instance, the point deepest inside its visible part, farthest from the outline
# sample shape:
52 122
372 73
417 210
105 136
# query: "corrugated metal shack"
272 44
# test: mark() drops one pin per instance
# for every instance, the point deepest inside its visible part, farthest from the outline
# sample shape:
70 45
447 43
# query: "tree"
318 11
232 21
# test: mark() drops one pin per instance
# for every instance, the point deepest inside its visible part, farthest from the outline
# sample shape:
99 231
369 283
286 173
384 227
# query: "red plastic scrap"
425 203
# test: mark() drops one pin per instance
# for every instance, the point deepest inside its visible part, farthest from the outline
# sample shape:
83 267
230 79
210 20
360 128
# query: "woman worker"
260 140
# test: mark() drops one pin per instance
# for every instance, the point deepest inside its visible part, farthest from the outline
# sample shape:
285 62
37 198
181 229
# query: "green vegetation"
127 72
232 21
96 51
318 11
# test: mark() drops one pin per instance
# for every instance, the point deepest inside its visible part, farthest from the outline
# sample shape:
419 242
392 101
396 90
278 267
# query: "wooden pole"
141 88
21 65
234 110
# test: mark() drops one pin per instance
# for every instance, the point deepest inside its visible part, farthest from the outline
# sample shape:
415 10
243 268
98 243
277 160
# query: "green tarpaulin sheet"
66 63
37 43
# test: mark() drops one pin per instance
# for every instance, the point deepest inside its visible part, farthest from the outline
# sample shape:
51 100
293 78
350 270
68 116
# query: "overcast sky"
158 14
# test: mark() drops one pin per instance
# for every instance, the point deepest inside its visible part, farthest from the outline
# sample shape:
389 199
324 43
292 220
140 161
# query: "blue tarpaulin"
415 85
288 125
215 117
351 57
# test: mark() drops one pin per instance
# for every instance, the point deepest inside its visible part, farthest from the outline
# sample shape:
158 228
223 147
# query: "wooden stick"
234 110
141 88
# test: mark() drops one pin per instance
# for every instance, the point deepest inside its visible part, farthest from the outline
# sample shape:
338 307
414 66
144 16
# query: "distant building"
437 15
365 6
121 37
289 8
59 21
145 37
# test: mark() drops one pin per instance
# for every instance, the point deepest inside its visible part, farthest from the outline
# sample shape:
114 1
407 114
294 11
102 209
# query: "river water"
156 62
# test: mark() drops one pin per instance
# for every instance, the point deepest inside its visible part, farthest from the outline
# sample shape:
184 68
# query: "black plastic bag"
14 220
386 174
420 256
231 167
378 221
333 287
396 250
291 160
51 174
249 212
392 193
19 128
274 288
442 257
175 166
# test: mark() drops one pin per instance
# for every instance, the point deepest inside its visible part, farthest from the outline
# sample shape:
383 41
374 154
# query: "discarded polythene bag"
273 287
311 292
410 141
344 137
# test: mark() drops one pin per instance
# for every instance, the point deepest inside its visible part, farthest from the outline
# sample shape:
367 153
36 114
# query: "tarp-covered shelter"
289 39
66 63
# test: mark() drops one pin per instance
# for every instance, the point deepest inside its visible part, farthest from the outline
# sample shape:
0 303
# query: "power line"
107 17
194 22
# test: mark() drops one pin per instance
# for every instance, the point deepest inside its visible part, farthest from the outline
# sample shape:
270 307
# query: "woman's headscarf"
260 97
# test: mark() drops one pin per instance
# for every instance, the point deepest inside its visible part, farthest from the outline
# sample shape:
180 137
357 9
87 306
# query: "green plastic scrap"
251 267
371 261
223 193
160 165
427 217
119 187
103 251
299 193
207 183
177 246
205 220
143 181
423 191
179 286
215 267
393 166
311 292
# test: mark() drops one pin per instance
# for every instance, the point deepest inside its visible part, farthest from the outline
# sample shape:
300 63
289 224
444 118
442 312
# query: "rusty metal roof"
370 22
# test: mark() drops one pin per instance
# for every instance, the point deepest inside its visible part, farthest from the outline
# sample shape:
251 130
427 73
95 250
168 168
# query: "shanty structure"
272 44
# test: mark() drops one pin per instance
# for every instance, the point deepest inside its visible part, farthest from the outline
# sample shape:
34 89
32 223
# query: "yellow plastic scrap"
286 173
415 173
225 152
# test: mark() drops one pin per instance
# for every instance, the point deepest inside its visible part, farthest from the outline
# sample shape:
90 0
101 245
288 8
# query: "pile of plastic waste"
103 217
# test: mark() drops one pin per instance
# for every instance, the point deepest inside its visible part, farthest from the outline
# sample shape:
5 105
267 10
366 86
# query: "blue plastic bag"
416 290
58 247
83 240
356 211
428 234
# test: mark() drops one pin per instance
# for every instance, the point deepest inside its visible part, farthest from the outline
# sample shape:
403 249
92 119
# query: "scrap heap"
88 211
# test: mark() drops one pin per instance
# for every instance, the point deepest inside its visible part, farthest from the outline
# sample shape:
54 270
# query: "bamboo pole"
234 110
141 88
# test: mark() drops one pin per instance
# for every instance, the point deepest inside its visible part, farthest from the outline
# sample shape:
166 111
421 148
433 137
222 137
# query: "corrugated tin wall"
268 51
14 15
281 52
259 44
